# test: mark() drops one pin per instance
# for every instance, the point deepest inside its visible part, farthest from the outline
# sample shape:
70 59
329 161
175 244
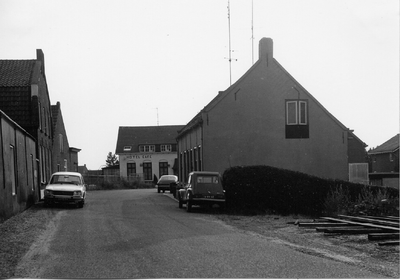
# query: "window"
61 142
147 148
163 167
296 112
166 148
127 148
297 126
65 165
131 169
147 171
14 169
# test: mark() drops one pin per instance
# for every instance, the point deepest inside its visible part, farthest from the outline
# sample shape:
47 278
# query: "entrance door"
147 171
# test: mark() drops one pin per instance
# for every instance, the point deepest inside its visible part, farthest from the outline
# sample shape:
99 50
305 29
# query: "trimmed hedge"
262 188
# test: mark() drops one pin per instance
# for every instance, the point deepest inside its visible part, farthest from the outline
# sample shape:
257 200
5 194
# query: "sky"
159 62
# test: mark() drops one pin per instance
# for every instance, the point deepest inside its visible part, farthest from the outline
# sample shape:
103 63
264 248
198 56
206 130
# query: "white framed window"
65 165
127 148
147 148
166 148
296 112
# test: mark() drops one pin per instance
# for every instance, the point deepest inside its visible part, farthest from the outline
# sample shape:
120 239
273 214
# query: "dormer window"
127 148
166 148
147 148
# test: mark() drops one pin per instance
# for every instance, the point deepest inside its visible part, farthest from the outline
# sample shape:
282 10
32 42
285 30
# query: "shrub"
266 188
337 201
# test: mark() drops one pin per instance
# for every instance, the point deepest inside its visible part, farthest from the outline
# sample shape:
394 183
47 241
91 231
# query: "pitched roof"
16 72
145 135
234 88
389 146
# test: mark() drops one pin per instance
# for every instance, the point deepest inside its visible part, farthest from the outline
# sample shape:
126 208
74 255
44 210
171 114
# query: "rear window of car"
168 178
207 179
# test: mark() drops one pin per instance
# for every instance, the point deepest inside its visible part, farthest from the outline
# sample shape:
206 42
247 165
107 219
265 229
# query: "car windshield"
65 179
207 179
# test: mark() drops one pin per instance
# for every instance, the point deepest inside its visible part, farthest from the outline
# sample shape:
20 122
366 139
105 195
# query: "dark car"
65 187
165 182
203 188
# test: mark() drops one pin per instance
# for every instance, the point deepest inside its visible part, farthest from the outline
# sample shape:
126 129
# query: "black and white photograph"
199 139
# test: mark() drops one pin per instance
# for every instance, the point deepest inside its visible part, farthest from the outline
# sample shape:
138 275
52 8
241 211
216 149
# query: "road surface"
143 234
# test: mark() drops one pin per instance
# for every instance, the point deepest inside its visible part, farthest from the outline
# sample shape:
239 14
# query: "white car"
65 187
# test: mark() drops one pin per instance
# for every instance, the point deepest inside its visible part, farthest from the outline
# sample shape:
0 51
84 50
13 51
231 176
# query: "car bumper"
163 187
63 199
207 201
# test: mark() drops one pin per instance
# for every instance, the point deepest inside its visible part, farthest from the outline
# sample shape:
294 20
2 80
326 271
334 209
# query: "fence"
104 182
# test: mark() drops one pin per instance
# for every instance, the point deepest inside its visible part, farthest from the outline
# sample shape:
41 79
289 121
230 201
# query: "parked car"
165 182
203 188
65 187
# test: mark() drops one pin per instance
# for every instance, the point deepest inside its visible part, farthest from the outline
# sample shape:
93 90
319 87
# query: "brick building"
268 118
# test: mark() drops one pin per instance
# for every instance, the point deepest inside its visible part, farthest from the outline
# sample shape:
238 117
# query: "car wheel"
180 202
80 204
158 190
188 205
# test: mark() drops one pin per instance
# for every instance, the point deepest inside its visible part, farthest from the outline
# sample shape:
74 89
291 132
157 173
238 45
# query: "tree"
111 160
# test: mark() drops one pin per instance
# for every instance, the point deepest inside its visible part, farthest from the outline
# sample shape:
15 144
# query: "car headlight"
78 193
48 192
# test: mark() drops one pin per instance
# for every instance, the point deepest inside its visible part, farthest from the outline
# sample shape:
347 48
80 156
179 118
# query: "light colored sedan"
65 187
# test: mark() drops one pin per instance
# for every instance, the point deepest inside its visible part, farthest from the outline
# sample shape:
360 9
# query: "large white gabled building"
147 151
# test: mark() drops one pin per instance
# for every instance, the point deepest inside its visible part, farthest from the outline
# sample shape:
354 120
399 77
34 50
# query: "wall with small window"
18 164
267 118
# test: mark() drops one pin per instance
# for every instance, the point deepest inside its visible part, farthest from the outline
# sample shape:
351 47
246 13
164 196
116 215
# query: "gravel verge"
352 249
19 233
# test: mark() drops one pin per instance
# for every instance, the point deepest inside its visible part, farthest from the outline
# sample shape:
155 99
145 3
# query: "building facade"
268 118
65 158
147 152
19 187
24 97
384 163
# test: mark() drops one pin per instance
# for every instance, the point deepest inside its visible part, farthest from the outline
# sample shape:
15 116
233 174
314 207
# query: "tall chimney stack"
266 49
40 57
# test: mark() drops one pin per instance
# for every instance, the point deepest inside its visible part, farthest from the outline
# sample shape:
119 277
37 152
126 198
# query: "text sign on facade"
138 157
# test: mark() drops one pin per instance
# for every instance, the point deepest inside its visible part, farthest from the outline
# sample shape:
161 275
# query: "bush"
266 188
337 201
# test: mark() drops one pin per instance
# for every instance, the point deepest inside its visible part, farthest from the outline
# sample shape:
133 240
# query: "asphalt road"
143 234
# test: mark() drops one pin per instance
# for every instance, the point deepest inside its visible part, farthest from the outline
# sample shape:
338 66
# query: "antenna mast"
252 34
230 58
157 117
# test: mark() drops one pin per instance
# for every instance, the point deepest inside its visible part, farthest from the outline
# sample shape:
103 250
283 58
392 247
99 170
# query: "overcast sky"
117 63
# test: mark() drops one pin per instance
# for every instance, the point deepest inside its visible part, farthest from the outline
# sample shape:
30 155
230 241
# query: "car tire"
188 205
80 204
158 190
180 202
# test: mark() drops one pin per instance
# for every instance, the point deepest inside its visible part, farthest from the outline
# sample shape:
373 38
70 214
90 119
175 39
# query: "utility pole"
252 34
230 49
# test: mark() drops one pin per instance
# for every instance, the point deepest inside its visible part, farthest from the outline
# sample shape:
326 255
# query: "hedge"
283 191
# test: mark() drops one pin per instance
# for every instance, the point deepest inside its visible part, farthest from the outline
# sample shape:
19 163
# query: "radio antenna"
230 50
252 34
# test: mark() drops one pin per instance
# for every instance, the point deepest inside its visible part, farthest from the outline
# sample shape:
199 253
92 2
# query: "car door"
188 187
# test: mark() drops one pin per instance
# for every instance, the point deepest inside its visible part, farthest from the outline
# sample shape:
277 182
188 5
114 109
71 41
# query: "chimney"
40 57
266 49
